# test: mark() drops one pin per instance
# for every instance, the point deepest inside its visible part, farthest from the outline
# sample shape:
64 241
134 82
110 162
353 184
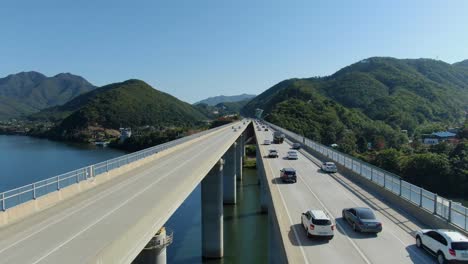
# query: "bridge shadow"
241 216
348 230
419 256
304 241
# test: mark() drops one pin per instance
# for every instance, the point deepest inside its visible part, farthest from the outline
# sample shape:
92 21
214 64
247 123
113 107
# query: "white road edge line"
290 219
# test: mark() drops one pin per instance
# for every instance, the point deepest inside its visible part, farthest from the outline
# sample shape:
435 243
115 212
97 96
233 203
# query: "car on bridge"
288 175
329 167
292 155
266 142
362 219
296 146
446 245
317 223
273 153
266 128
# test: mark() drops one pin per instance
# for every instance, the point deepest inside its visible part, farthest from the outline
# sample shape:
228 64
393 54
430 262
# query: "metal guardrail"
14 197
453 212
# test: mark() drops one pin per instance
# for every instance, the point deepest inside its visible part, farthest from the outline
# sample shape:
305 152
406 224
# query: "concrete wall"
21 211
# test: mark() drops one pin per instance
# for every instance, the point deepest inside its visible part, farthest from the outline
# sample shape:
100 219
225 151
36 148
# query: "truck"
278 137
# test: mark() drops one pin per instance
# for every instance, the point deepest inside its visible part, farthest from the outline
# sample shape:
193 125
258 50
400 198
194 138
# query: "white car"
318 223
292 155
266 142
329 167
446 245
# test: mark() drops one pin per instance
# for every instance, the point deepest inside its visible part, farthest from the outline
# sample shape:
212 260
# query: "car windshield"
460 245
366 214
321 222
290 172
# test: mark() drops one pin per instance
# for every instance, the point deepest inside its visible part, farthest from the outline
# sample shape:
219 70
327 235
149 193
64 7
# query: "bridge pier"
230 169
155 250
212 212
240 157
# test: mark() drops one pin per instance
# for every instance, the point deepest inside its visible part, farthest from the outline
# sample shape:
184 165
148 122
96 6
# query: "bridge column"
155 250
230 169
239 157
212 212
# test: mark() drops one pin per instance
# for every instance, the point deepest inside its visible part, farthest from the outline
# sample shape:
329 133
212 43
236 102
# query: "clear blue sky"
193 49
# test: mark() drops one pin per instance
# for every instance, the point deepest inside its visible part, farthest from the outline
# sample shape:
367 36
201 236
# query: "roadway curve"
332 193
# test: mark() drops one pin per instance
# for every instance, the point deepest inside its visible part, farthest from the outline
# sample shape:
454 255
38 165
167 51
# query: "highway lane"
315 189
105 223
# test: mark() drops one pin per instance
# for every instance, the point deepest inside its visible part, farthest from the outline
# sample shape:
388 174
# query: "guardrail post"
371 173
450 212
34 191
399 194
107 166
58 183
384 180
420 196
435 203
77 177
3 202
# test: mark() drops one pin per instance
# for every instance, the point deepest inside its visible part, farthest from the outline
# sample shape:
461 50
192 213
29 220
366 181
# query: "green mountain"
361 100
221 109
131 103
462 64
28 92
213 101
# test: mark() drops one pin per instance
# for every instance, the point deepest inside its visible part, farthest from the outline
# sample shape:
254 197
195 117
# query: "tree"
388 159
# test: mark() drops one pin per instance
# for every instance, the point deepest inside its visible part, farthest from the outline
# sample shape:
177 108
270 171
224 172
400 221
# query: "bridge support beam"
230 170
212 212
239 157
155 250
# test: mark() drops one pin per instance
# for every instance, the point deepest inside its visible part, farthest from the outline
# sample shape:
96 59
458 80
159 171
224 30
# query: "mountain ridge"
212 101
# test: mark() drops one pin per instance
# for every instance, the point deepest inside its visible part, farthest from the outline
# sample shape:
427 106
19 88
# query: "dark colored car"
288 175
362 219
296 146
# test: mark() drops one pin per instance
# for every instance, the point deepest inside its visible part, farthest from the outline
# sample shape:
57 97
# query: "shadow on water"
245 228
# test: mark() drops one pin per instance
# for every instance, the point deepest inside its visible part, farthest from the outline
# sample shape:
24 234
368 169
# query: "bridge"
111 211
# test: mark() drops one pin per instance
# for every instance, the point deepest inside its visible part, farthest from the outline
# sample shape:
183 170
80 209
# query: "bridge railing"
453 212
14 197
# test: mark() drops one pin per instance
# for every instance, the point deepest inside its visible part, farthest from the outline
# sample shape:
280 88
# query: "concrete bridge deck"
332 193
112 222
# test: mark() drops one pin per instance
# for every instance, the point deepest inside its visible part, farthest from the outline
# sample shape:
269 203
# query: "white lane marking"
290 219
94 199
345 192
363 256
118 207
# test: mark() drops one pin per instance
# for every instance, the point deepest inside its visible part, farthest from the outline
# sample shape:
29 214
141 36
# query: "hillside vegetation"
132 103
212 101
28 92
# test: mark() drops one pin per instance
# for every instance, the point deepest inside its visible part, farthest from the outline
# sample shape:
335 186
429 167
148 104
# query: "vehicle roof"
289 169
292 152
319 214
361 209
329 163
271 150
453 235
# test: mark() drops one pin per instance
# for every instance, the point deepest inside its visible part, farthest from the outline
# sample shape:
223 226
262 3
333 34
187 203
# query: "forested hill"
28 92
401 93
213 101
131 103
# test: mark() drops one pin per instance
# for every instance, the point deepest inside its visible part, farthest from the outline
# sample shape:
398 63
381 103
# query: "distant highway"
332 193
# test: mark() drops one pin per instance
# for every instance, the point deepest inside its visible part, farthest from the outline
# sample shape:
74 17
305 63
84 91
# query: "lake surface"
25 160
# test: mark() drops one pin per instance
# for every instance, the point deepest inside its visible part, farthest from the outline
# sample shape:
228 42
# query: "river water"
24 160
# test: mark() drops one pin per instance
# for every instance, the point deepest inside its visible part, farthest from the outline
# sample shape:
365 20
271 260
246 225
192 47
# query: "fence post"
450 212
107 166
399 194
384 180
435 203
3 202
58 183
371 174
34 191
420 196
77 177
